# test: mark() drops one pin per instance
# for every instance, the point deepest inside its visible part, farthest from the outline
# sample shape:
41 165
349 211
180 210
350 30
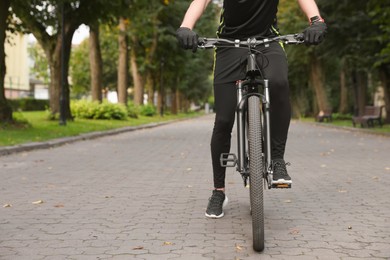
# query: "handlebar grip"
300 37
201 42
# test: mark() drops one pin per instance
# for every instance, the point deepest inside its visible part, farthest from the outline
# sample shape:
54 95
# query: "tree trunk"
137 79
384 73
160 102
96 63
361 91
174 101
5 108
343 107
150 86
161 90
55 82
317 81
52 50
122 63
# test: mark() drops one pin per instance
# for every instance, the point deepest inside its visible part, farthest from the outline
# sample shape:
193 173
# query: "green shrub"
29 104
83 108
148 110
95 110
132 110
338 116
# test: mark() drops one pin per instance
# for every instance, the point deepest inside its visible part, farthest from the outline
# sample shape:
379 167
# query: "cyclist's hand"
187 38
315 33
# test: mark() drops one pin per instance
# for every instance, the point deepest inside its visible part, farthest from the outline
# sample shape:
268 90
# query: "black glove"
315 33
187 38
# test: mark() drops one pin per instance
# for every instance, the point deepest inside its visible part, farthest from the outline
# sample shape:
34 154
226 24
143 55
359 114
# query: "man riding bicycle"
243 19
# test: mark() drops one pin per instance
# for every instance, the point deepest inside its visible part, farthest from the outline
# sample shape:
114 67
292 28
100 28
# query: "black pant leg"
225 106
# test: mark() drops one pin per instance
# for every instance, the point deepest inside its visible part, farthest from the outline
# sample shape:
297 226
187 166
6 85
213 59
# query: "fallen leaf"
294 231
138 248
7 206
59 206
239 248
38 202
167 243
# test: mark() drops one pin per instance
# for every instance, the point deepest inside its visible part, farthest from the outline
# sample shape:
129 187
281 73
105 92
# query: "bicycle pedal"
281 185
228 160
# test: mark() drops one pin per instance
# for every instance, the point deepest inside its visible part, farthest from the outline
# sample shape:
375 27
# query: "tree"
114 16
152 40
186 76
122 62
347 56
36 16
380 12
306 66
356 41
5 108
43 19
95 61
136 75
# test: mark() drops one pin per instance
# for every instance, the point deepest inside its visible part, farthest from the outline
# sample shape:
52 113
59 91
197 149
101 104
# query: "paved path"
142 195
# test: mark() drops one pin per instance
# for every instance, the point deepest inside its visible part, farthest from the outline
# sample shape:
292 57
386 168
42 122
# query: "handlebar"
208 43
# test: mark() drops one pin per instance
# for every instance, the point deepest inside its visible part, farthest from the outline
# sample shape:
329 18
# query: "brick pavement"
142 195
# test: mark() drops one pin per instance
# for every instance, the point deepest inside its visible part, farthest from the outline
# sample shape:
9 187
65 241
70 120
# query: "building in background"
16 81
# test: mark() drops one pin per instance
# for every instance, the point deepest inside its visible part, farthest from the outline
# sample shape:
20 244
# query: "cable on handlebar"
207 43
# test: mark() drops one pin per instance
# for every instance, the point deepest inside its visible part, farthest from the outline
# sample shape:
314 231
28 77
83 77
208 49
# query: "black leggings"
275 69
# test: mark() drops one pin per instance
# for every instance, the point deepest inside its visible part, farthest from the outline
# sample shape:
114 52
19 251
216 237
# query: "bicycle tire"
256 168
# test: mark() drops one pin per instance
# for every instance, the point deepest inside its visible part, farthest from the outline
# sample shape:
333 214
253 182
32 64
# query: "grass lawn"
39 128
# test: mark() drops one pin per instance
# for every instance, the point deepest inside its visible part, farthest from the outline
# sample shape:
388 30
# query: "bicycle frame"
245 89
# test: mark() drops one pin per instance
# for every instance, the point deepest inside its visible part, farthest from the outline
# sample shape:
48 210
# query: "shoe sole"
225 202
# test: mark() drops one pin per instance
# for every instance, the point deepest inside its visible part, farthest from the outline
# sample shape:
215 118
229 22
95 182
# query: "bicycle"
253 161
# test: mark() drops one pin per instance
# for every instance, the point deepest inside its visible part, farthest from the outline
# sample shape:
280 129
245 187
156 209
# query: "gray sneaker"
280 177
217 201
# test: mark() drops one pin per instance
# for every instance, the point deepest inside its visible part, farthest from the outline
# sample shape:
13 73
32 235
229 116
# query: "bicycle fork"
245 89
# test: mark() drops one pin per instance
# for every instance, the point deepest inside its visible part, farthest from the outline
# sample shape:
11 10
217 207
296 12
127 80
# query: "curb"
348 129
7 150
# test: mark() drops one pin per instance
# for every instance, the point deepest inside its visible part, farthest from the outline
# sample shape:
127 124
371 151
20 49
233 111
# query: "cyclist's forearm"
194 12
309 7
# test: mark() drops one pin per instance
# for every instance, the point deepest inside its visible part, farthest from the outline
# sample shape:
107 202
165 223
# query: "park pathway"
142 195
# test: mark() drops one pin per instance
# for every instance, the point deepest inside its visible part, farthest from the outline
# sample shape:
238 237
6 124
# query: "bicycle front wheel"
256 172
